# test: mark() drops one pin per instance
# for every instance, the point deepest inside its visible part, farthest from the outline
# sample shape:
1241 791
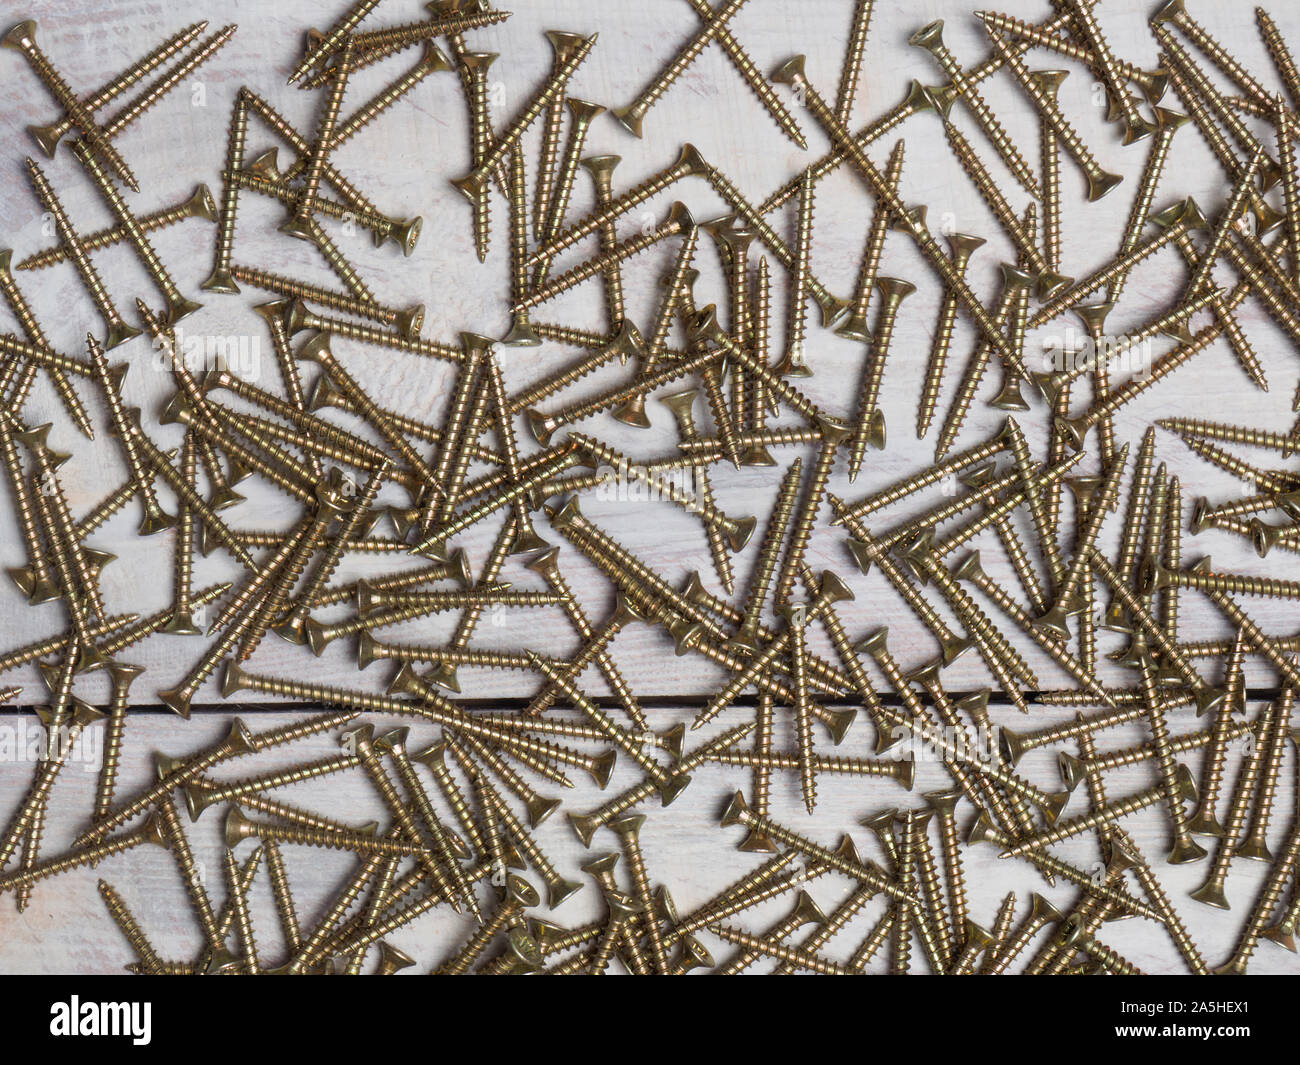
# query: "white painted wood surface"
404 162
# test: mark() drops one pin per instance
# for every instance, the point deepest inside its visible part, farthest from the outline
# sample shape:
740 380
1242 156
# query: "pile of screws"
801 651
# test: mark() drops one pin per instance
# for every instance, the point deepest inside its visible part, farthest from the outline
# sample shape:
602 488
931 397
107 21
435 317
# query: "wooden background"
404 162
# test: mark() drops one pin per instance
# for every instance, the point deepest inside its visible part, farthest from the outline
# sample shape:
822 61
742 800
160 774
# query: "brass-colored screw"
851 68
22 38
508 141
118 330
1211 892
1048 281
130 928
1173 13
793 362
601 169
150 832
679 221
930 37
748 70
1255 843
1278 51
200 204
871 419
1098 180
963 247
48 137
633 115
178 306
1107 69
220 280
297 224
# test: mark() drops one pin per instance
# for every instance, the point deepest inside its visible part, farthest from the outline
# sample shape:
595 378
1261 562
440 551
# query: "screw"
118 331
930 37
22 38
48 137
1099 181
633 115
556 84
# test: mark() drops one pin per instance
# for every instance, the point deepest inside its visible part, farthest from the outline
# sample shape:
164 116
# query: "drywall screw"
1280 54
543 426
359 741
930 37
1193 88
239 827
1102 815
178 306
1255 843
774 534
507 142
118 330
805 911
160 88
793 363
285 907
736 530
431 61
1041 914
473 68
1282 871
1234 434
1203 820
951 646
1156 577
963 247
871 419
48 137
678 222
680 403
1167 124
1048 281
1016 285
748 70
1153 83
1185 849
689 162
150 832
972 456
339 37
1073 937
583 114
1211 892
585 825
320 353
832 307
833 435
633 115
297 223
1107 69
149 962
1173 13
1098 180
403 232
851 68
22 38
944 805
972 570
1134 517
199 205
601 168
220 280
189 869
